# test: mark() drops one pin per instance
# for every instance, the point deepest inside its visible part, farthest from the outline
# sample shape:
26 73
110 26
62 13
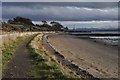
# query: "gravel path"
98 59
20 64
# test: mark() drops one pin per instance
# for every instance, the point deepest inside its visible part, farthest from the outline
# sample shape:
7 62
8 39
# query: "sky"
90 24
59 0
61 11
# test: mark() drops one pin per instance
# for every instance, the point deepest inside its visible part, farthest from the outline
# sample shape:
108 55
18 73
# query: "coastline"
95 61
66 63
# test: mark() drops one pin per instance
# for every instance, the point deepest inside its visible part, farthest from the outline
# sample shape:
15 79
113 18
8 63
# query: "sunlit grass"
44 65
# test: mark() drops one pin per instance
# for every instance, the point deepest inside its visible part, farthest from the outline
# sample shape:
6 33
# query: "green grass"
44 66
9 49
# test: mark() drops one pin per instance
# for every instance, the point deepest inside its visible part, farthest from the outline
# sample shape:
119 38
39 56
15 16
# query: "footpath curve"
20 64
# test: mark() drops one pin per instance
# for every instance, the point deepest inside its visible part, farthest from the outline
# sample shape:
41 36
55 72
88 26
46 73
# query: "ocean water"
104 25
110 40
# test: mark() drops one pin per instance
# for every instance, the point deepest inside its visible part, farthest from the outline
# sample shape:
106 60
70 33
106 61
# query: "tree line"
26 24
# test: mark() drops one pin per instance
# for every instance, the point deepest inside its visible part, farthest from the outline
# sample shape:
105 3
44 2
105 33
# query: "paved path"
98 59
20 64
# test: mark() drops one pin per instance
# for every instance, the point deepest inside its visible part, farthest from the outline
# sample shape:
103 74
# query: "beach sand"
99 60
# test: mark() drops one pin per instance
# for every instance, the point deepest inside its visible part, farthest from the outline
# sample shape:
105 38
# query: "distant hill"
25 24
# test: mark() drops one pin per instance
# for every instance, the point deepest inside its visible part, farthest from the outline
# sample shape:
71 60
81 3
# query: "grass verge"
8 51
44 65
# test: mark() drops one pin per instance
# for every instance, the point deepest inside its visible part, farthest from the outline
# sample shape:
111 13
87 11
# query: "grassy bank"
44 65
9 49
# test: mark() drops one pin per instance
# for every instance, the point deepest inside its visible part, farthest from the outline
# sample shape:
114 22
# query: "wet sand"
99 60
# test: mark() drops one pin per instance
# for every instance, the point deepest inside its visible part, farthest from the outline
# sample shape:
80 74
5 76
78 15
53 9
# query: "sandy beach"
99 60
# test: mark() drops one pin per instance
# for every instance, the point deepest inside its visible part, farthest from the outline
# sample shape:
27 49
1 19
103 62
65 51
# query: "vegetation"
9 49
6 27
56 26
45 66
25 24
20 20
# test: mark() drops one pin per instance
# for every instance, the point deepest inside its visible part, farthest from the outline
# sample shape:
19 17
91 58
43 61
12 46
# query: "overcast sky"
61 11
59 0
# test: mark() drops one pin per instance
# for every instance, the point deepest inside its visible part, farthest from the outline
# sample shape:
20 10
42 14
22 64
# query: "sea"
109 40
96 27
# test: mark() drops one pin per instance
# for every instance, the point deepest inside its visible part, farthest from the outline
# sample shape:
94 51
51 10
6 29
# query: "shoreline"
94 67
62 60
98 41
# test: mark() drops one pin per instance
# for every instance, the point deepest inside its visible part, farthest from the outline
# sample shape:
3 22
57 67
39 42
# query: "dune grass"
44 65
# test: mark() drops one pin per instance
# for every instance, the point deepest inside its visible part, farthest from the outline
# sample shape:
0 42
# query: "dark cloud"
74 4
77 11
